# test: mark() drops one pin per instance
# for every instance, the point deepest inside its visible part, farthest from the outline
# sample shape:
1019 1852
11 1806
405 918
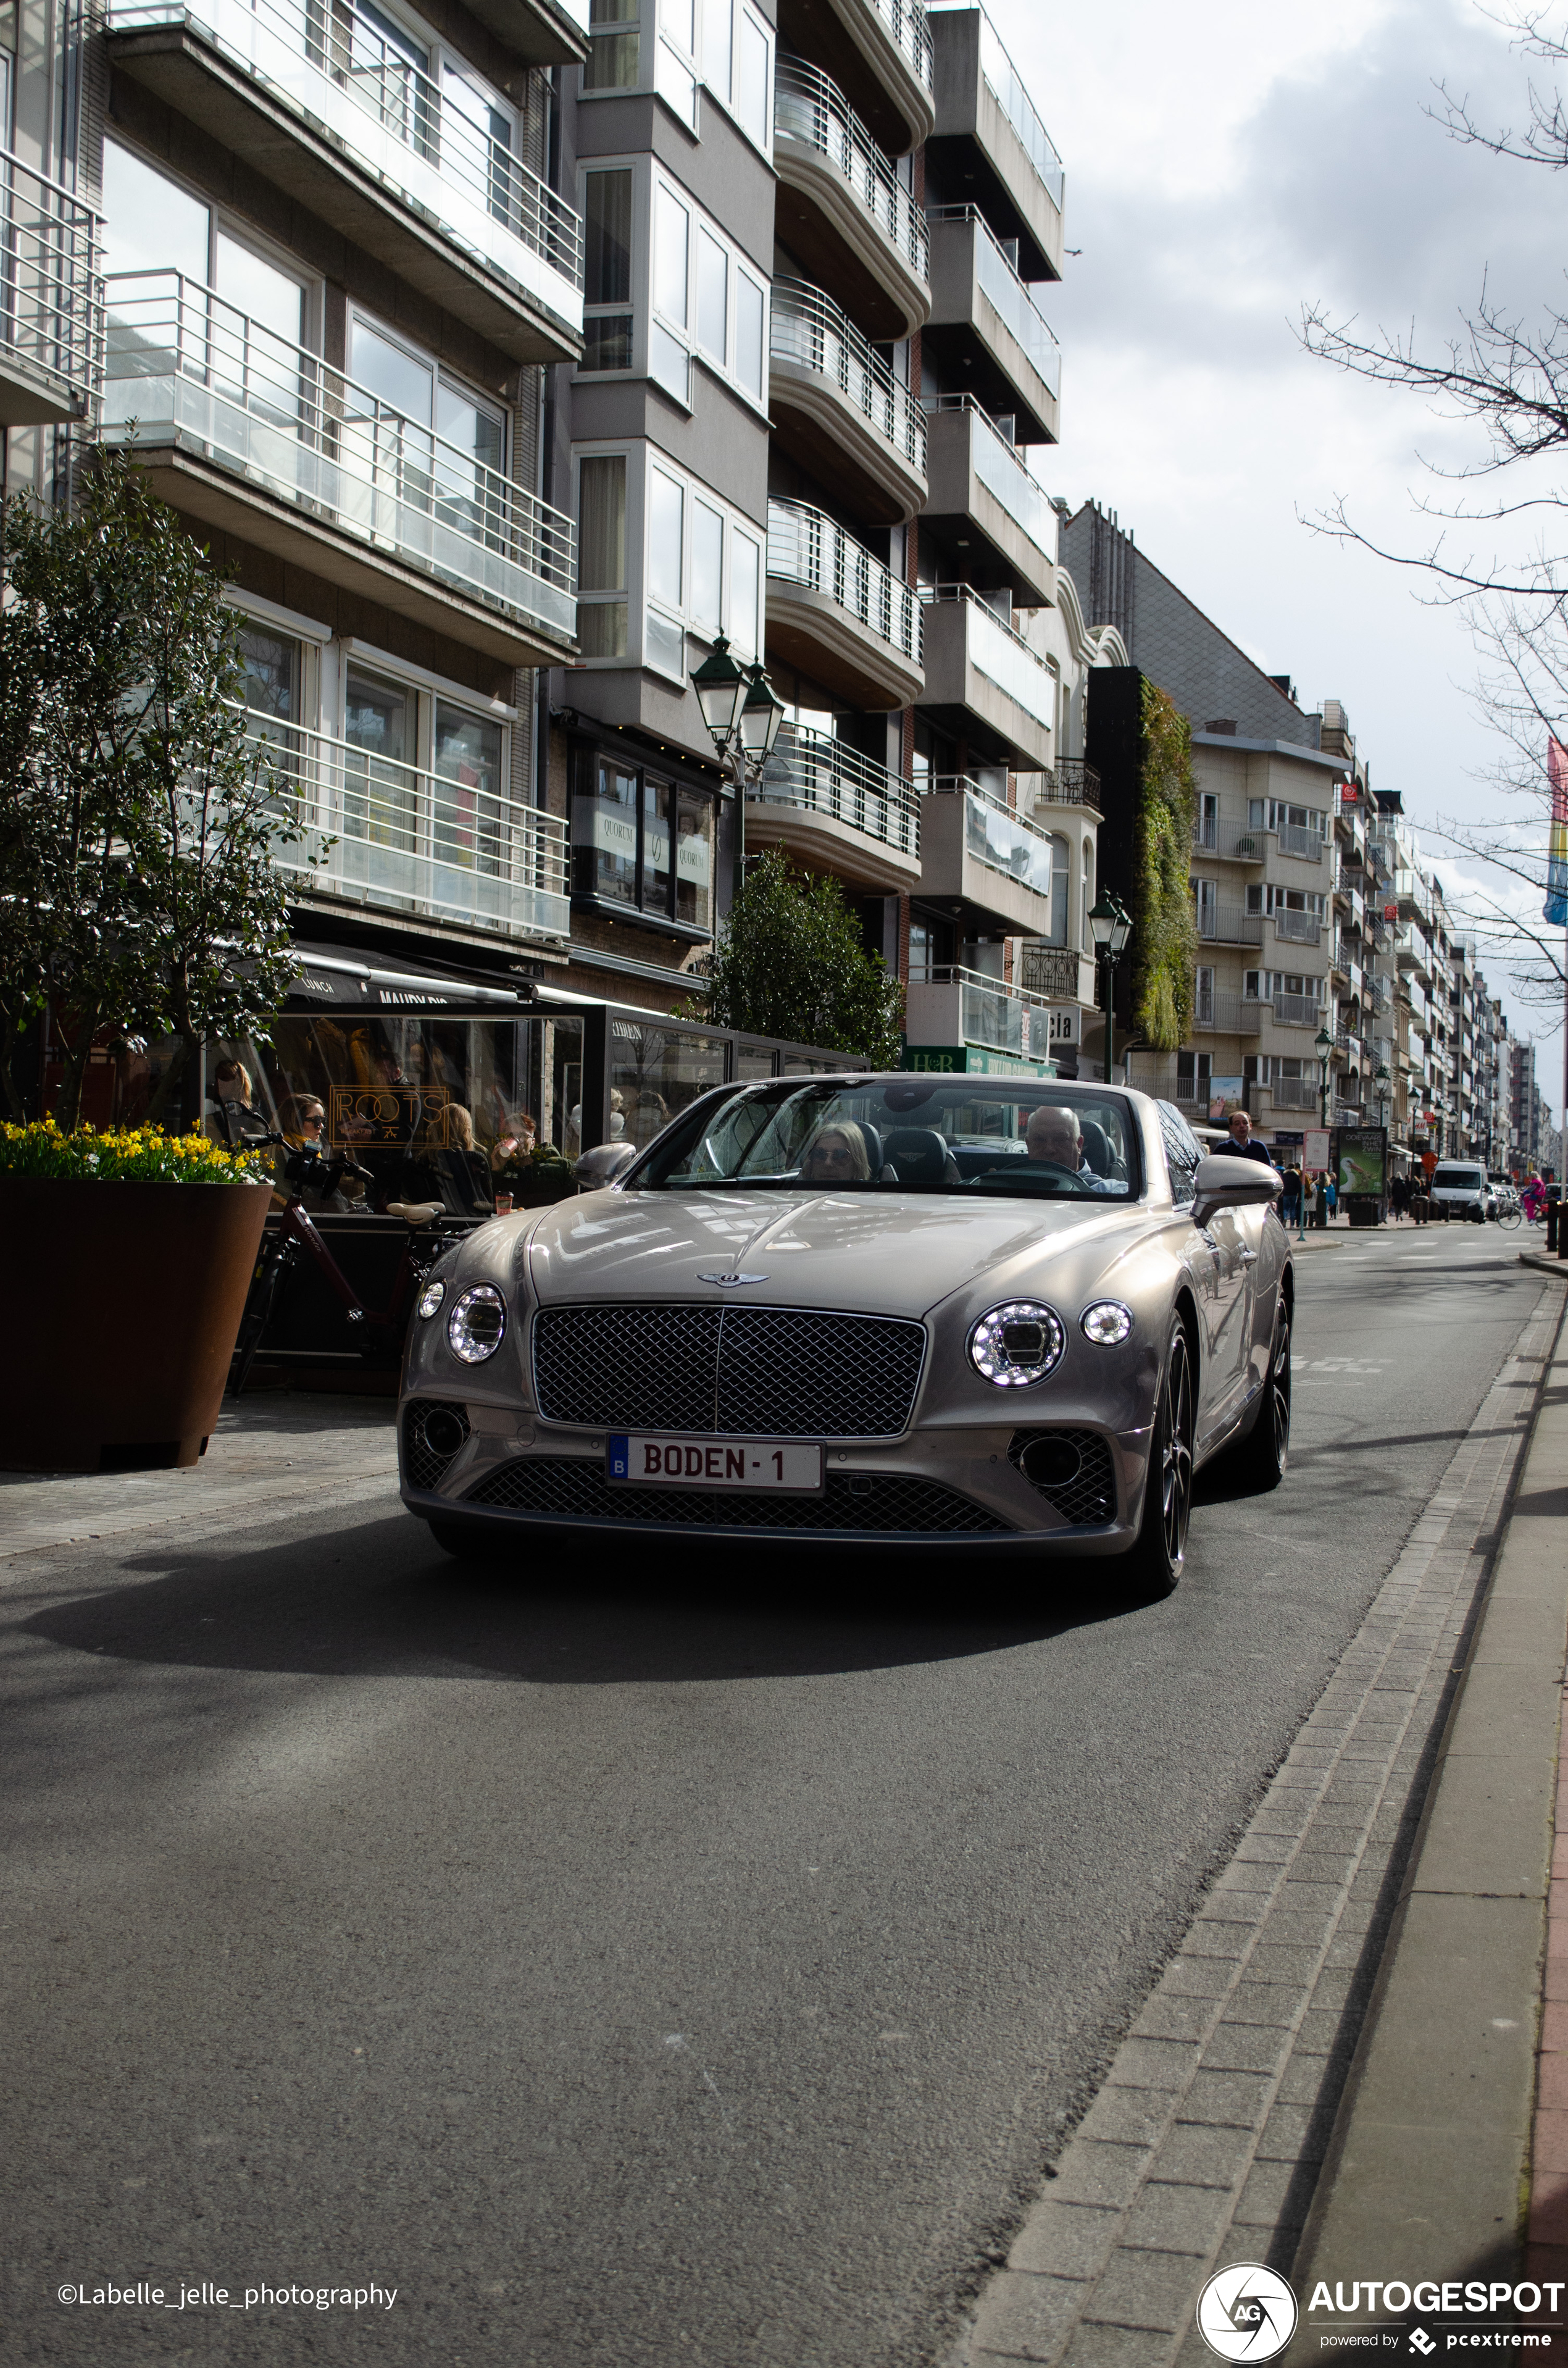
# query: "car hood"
894 1254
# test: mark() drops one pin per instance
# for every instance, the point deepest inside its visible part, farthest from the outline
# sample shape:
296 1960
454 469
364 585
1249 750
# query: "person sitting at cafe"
302 1123
230 1105
1055 1140
445 1166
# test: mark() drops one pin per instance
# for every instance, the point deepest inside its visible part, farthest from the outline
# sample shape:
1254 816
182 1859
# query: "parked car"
912 1311
1460 1188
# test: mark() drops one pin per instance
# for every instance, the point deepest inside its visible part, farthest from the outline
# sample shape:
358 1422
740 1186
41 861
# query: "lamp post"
1109 927
1323 1046
743 713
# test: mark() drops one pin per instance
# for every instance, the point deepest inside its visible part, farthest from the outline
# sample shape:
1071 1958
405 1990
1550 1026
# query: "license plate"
783 1465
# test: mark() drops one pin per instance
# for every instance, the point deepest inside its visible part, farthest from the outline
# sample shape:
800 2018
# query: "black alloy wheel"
1262 1456
1154 1566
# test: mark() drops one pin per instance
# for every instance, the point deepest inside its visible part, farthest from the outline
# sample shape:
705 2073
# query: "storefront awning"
335 978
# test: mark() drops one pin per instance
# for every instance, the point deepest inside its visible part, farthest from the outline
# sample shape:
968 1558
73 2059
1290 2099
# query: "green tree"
1164 931
790 964
136 853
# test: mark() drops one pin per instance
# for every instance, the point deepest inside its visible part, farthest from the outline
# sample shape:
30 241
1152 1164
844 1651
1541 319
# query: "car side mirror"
1222 1183
602 1165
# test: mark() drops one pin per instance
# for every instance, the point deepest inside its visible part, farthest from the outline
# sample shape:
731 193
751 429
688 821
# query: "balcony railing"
1230 925
1004 471
905 22
809 107
992 1014
996 834
810 330
1306 845
1298 928
1070 783
807 548
436 145
416 841
1009 294
817 774
1007 87
182 361
1298 1011
999 654
1236 841
1294 1093
1216 1013
52 317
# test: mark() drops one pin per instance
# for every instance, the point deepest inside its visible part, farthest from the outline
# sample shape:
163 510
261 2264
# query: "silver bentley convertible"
930 1312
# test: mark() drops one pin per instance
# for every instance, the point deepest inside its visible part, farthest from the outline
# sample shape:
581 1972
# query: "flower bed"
130 1155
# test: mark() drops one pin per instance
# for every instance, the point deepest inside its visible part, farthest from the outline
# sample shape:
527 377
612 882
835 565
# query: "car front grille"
1088 1499
880 1504
769 1373
423 1462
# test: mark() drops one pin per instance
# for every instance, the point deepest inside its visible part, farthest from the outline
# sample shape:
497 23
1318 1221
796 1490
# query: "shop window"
656 1072
642 842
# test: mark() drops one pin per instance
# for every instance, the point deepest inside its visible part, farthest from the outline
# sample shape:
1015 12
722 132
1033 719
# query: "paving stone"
1274 1961
1027 2317
1066 2240
1231 2099
1322 2030
1271 2003
1246 2047
1128 2117
1115 2346
1153 2063
1263 2198
1204 2154
1096 2171
1147 2289
1206 1977
1169 2015
1294 2134
1172 2218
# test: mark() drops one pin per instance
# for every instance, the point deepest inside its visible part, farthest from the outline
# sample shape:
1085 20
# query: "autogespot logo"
1246 2312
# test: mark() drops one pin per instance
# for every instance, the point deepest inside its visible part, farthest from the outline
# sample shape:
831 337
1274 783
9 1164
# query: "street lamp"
1324 1045
743 713
1383 1081
1109 927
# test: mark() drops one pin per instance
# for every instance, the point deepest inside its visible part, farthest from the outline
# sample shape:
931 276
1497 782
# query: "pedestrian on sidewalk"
1242 1144
1420 1206
1291 1200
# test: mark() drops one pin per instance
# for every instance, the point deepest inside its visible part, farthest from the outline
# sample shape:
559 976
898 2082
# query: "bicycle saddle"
414 1212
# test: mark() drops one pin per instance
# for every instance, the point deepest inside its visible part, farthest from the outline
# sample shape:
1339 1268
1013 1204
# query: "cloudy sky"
1226 165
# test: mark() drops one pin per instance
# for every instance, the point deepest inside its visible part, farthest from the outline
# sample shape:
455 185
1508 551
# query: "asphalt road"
637 1966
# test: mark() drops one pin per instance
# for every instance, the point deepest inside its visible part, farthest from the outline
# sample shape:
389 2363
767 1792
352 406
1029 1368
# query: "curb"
1545 1264
1427 2170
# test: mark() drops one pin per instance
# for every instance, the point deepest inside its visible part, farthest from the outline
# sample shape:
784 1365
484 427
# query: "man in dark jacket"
1241 1144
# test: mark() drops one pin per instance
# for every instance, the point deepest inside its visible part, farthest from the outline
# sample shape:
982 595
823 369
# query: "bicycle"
430 1230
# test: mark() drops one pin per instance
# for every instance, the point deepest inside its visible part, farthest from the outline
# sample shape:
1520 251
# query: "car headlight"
430 1298
1107 1323
1017 1344
477 1325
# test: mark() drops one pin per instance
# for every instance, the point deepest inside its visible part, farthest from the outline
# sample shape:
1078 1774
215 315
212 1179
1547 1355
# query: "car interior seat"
921 1157
1098 1153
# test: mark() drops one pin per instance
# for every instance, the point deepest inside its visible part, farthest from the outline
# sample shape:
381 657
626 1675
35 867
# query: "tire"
1259 1460
1509 1220
1154 1566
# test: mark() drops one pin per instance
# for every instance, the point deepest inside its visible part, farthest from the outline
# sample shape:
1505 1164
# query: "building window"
601 555
613 46
607 275
642 842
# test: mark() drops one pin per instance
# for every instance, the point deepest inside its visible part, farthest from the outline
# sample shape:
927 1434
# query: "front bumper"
871 1491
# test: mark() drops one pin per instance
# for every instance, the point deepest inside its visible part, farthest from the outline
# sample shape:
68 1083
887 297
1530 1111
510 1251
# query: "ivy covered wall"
1164 944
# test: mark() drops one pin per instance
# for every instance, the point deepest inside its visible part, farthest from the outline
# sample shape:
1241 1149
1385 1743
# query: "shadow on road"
383 1600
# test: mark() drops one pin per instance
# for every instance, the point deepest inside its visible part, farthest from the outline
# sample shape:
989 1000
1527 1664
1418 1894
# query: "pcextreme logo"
1246 2312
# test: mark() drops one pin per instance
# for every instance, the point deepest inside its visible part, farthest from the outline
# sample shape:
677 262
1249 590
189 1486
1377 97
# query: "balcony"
836 810
835 611
879 51
955 1006
411 841
839 411
982 488
1298 1011
1216 1013
999 696
321 104
1306 845
976 847
1294 1093
842 208
539 32
51 323
257 437
986 329
1297 929
1228 925
987 129
1059 973
1070 783
1232 842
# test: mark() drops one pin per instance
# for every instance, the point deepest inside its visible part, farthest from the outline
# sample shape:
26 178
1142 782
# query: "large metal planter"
122 1305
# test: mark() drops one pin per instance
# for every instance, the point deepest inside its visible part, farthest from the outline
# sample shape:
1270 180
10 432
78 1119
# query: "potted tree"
136 889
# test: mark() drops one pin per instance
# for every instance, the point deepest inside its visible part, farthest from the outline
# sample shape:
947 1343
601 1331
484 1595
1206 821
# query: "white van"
1459 1189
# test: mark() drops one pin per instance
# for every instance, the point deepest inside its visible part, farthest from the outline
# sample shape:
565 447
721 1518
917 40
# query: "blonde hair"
463 1124
229 1067
854 1141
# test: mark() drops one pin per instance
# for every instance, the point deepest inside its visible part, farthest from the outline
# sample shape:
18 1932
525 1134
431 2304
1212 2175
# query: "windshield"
966 1136
1457 1179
